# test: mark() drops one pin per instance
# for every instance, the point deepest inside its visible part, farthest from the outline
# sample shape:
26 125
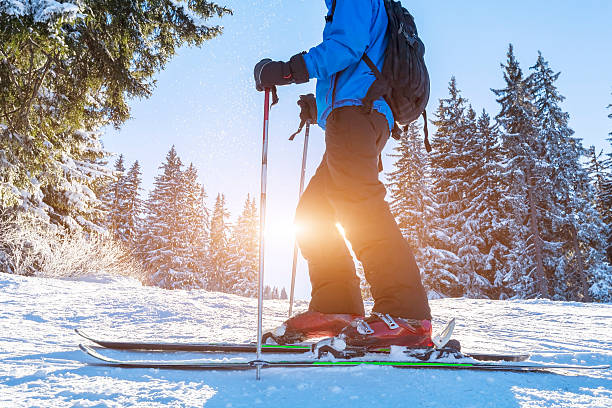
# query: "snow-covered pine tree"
283 294
449 188
601 279
115 197
133 207
163 248
271 293
67 69
597 172
122 204
601 288
571 226
485 228
415 210
526 273
470 242
218 252
194 227
267 292
244 251
606 196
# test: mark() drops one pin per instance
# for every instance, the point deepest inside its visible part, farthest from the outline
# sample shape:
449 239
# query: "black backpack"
404 80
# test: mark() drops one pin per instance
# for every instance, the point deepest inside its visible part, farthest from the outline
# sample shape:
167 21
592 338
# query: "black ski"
198 347
247 365
266 348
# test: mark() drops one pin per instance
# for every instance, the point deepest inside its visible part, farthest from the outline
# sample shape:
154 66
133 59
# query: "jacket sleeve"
348 38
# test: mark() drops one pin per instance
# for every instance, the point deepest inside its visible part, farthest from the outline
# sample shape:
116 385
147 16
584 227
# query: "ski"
198 347
266 348
246 365
439 340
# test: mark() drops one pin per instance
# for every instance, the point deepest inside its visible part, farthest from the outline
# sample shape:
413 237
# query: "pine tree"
572 228
601 288
470 241
484 230
67 69
606 196
522 148
244 251
124 206
598 173
165 248
267 292
158 243
449 188
133 207
218 254
283 294
194 222
415 209
113 196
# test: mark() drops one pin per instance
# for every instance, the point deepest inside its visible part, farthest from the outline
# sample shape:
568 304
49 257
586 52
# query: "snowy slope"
41 366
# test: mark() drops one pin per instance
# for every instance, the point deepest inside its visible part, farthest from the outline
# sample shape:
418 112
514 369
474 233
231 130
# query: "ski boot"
377 334
381 330
308 325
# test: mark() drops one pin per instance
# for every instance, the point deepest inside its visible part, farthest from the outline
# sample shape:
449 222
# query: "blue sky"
206 105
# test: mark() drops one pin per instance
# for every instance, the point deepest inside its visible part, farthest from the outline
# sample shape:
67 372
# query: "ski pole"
295 246
262 226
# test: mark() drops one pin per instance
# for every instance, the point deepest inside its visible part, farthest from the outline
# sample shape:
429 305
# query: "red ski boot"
309 325
381 330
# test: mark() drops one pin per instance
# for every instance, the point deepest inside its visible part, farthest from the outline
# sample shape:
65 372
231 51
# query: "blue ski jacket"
343 78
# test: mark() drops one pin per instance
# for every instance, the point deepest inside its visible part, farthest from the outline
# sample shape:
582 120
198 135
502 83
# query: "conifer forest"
508 205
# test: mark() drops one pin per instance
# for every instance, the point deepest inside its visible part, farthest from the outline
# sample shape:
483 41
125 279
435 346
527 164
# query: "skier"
346 190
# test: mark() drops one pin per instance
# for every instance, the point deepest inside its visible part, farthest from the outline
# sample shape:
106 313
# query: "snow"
42 10
41 365
190 14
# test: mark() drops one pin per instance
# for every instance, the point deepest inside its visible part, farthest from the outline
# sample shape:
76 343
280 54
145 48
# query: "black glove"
270 73
308 106
308 112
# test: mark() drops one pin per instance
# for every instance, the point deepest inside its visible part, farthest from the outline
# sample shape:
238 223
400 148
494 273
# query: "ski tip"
87 350
91 352
84 335
80 333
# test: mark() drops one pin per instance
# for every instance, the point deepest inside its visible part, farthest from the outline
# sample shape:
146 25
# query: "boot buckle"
388 321
364 328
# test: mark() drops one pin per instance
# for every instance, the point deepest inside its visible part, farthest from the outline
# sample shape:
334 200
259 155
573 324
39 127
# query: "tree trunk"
541 283
582 276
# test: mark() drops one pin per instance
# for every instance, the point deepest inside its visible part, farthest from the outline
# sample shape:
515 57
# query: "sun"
280 230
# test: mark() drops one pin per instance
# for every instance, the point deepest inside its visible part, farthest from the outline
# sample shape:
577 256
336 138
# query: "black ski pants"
346 190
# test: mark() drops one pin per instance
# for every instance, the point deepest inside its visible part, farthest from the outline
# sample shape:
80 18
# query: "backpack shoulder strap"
330 17
372 66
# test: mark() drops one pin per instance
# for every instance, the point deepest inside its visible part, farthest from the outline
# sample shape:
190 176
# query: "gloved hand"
308 112
308 106
270 73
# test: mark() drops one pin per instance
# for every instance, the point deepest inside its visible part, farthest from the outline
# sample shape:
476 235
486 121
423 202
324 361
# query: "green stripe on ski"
275 346
393 363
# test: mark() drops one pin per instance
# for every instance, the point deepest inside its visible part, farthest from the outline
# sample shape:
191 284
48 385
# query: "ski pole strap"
302 123
308 112
274 96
